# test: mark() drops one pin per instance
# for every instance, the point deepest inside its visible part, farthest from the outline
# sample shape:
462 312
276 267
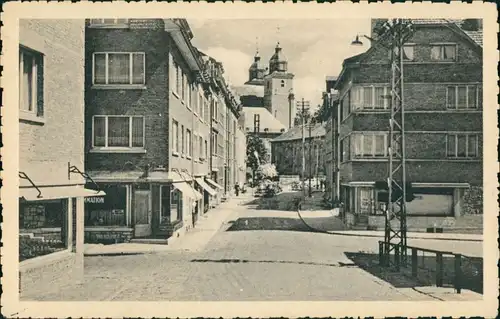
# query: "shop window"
175 205
108 210
431 202
43 227
165 205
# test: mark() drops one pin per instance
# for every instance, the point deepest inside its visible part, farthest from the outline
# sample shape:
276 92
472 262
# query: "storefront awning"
47 193
187 190
211 182
205 186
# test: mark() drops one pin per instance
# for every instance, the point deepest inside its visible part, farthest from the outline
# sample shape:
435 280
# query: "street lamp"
394 32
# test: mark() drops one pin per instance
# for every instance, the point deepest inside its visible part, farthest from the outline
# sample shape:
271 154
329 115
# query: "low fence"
442 268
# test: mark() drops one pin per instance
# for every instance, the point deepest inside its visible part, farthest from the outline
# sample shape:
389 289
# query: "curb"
380 236
409 237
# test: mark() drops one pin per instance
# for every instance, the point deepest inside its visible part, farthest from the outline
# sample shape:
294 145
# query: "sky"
314 48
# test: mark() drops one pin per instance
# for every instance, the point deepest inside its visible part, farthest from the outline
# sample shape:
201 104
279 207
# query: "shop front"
209 193
219 191
152 206
49 219
434 206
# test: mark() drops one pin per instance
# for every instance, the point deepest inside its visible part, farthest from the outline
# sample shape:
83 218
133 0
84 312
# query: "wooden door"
142 212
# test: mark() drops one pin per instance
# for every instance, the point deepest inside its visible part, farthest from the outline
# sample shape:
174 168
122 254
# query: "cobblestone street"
243 265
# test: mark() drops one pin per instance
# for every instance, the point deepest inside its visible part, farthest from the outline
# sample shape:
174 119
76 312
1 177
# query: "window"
206 149
175 136
206 112
462 145
256 123
30 82
214 109
370 97
408 52
345 106
119 68
213 143
189 89
344 149
370 145
462 97
443 52
200 146
183 86
177 78
183 144
189 146
199 106
118 131
109 22
282 83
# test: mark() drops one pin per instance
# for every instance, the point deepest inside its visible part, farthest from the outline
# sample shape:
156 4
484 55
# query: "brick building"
443 127
149 118
287 151
51 150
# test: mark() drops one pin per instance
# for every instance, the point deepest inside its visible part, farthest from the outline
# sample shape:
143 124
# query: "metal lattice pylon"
400 31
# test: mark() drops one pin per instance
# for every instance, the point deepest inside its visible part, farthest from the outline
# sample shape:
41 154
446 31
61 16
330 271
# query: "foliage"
306 114
255 144
267 171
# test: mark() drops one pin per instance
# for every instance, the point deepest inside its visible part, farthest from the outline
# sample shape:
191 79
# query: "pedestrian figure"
237 189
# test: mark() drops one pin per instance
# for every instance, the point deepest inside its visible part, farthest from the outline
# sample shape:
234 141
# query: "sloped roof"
476 36
295 133
245 90
267 120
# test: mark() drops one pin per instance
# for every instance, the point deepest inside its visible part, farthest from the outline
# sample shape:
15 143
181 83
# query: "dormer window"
444 52
109 23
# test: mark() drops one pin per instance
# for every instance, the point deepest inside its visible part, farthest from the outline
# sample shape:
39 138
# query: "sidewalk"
194 240
413 235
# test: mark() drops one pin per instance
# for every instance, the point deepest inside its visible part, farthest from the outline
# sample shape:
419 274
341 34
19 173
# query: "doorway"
142 212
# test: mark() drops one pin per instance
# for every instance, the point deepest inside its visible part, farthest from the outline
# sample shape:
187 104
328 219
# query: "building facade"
443 127
287 153
148 124
51 150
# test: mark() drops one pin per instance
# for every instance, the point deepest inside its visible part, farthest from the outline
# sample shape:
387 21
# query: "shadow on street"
340 264
269 223
472 272
283 201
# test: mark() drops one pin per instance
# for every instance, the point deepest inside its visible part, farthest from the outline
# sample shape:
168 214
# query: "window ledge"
182 155
129 150
188 157
174 153
119 87
31 118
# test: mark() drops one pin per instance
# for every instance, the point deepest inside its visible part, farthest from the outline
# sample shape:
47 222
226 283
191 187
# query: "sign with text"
94 200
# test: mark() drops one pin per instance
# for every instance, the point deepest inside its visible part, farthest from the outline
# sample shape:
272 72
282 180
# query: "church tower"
256 72
278 89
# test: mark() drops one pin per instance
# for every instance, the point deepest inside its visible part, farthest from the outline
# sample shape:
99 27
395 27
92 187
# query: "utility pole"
399 31
303 106
310 158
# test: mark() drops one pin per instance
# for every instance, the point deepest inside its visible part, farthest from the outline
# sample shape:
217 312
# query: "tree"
267 171
255 144
306 114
